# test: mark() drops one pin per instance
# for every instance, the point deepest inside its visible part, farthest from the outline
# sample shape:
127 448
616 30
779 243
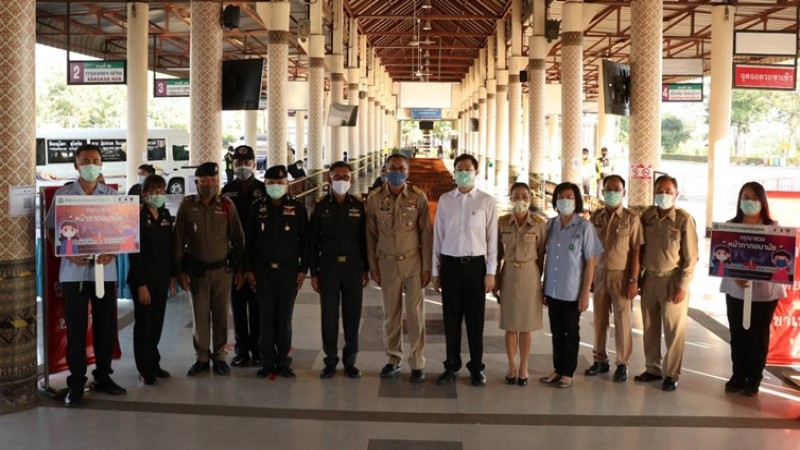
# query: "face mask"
140 179
69 232
243 172
276 191
156 201
340 187
520 205
383 178
90 172
207 190
397 178
750 207
465 178
665 201
565 206
781 263
612 198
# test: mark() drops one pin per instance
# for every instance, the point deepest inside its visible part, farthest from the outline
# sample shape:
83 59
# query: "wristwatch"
632 280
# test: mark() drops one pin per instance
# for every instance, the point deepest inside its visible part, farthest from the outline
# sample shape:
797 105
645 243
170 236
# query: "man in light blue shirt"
76 276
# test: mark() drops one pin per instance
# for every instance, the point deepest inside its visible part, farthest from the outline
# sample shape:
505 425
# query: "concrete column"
605 122
352 97
503 154
554 149
515 162
645 136
371 125
278 51
299 135
482 130
537 52
137 93
18 366
571 91
338 134
206 88
251 128
316 103
719 145
491 109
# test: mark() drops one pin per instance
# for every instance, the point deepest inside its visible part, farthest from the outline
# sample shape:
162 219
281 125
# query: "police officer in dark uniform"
276 266
339 267
243 190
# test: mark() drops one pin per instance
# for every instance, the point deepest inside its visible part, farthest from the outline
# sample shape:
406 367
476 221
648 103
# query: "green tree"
673 133
748 107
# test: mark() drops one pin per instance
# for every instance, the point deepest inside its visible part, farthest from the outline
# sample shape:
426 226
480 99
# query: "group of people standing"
252 245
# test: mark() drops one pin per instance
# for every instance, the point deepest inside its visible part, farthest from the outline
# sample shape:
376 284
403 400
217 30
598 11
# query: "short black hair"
576 191
519 184
664 178
614 177
339 164
148 168
88 148
395 155
466 157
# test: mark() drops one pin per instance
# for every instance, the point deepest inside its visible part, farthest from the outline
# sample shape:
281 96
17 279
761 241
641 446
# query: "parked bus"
167 151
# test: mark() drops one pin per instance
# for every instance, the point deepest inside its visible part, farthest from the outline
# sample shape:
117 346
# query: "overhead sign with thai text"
97 72
171 87
755 76
683 92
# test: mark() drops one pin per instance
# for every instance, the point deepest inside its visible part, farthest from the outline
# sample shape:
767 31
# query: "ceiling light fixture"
426 26
426 4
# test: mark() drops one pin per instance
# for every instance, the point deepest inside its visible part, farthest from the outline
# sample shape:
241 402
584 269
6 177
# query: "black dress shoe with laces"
670 384
735 384
241 360
221 368
621 374
161 373
647 376
328 371
390 370
264 372
108 386
448 376
197 368
597 368
478 379
74 398
148 379
352 372
417 376
286 372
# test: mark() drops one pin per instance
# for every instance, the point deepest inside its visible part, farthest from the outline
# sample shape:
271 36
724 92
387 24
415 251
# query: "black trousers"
564 324
149 321
340 284
463 299
276 290
77 297
749 347
245 321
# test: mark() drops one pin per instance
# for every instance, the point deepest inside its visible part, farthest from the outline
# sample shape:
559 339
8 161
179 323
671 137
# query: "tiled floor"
243 412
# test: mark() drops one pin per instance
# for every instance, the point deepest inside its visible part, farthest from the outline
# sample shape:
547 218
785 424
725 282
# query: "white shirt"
465 225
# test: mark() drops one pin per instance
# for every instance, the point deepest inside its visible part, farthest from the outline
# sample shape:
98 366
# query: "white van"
167 151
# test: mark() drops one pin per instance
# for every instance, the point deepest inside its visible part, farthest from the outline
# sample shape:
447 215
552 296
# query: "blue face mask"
396 178
90 172
750 207
565 206
781 263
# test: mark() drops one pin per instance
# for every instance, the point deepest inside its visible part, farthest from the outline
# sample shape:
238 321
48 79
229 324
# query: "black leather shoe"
478 379
522 381
148 379
647 376
448 376
74 398
241 360
221 368
286 372
597 368
390 370
417 376
621 374
670 384
161 373
750 389
197 368
264 372
352 372
108 386
328 371
735 384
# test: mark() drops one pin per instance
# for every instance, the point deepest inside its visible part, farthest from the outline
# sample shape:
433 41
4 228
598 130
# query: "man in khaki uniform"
208 246
669 255
399 245
616 277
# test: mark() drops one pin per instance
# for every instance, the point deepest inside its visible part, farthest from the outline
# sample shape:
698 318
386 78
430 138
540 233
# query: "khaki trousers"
610 289
396 277
658 311
211 295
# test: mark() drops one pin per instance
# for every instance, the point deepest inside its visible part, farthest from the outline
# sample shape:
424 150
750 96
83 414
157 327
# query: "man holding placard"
77 276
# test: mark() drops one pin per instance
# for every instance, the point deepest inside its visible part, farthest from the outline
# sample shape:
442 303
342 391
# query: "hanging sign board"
753 252
684 92
754 76
97 72
171 87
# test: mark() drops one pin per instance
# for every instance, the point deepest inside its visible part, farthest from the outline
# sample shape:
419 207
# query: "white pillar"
571 91
352 97
251 128
138 27
316 104
503 154
537 52
206 88
299 135
277 78
515 94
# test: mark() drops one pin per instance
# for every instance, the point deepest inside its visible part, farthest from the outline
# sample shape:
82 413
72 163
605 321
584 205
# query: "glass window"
113 149
62 150
41 152
180 152
156 149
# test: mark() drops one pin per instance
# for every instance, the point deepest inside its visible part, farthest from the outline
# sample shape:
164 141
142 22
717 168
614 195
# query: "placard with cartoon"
96 224
754 252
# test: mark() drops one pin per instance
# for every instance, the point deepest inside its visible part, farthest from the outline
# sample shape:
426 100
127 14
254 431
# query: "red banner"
750 76
784 334
56 325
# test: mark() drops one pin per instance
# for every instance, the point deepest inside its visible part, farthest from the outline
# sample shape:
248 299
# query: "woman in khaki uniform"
519 281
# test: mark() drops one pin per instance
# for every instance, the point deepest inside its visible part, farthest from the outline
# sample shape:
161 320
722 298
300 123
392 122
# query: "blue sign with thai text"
426 113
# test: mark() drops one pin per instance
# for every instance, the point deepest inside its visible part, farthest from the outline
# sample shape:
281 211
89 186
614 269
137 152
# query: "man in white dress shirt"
464 266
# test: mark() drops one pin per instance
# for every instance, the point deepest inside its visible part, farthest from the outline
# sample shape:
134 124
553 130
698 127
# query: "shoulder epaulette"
376 190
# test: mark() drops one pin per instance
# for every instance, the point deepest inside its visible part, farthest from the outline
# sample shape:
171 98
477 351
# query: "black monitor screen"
241 84
616 88
425 124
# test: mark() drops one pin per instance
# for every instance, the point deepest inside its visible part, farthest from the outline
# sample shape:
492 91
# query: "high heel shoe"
522 381
510 380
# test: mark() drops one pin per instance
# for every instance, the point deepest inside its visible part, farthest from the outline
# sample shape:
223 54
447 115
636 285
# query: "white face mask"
665 201
243 172
340 187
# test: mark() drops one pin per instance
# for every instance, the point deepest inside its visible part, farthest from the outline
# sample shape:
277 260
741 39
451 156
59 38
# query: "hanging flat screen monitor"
616 88
425 124
241 84
341 115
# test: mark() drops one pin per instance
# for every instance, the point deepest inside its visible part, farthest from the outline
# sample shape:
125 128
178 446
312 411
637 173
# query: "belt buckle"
465 259
274 266
516 265
341 259
401 257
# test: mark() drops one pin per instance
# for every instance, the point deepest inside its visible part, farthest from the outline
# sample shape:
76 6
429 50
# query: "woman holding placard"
749 346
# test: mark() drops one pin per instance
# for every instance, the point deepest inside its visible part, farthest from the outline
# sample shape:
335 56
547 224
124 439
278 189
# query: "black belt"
340 258
463 259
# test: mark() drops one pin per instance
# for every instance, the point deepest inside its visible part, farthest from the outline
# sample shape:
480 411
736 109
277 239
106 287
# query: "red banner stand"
54 325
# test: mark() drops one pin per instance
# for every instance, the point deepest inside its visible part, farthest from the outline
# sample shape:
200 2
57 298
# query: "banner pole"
748 306
99 286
